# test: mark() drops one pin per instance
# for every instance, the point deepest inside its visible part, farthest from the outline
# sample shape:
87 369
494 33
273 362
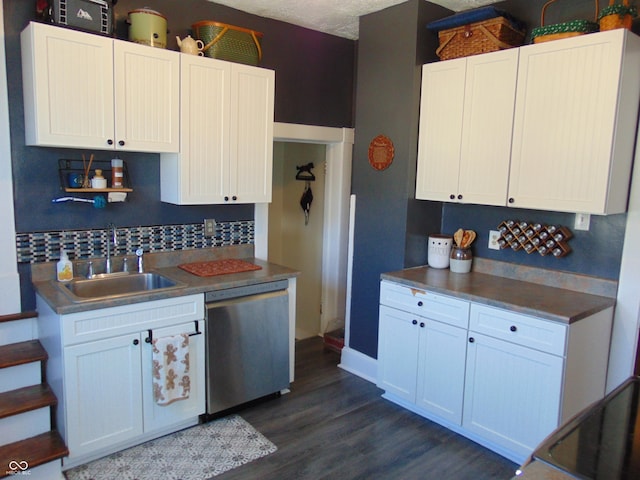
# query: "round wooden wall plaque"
381 152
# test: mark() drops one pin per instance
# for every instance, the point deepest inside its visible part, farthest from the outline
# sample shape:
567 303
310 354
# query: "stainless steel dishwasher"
247 344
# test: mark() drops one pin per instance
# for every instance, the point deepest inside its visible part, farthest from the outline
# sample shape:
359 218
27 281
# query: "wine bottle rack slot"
535 237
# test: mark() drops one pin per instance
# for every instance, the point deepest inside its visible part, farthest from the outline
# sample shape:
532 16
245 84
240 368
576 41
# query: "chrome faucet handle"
90 269
139 253
114 231
111 235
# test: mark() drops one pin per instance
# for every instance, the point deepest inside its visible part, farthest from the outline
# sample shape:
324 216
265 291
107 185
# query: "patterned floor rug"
197 453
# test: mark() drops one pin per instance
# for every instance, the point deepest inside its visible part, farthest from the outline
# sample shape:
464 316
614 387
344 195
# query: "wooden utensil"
467 239
86 182
457 237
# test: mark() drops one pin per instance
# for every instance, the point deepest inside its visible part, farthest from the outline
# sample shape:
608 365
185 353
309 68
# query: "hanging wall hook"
305 173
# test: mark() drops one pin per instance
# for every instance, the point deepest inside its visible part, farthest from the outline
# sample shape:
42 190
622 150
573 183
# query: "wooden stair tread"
17 316
37 450
21 352
26 399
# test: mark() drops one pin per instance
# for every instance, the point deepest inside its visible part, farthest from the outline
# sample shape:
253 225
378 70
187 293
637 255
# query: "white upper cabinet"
465 134
251 135
440 130
226 153
565 144
147 98
575 123
88 91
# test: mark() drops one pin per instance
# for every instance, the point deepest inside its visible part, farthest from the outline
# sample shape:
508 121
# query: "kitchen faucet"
111 234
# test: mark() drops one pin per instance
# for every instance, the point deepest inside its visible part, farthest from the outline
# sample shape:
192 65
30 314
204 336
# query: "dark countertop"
551 303
602 441
51 291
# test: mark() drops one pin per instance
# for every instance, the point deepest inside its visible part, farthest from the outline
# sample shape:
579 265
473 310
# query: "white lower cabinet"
512 393
103 393
421 358
503 379
100 367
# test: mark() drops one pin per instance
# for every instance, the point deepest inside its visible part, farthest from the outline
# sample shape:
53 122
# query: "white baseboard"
359 364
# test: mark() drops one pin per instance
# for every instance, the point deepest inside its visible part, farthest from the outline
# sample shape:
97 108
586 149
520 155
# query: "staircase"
29 443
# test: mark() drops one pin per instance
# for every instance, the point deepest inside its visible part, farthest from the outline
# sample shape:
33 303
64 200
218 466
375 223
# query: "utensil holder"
461 259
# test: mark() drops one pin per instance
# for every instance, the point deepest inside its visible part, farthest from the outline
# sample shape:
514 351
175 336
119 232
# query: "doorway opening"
338 148
296 216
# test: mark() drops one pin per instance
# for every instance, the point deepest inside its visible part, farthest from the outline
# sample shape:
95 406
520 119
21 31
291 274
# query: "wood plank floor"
336 425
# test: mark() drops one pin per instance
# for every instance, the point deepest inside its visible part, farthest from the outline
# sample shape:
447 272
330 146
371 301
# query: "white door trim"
626 320
9 279
339 143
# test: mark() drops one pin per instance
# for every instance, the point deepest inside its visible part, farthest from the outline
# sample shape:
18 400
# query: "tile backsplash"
45 246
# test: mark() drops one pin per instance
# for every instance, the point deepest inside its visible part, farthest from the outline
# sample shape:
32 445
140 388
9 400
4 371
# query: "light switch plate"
209 227
494 236
582 221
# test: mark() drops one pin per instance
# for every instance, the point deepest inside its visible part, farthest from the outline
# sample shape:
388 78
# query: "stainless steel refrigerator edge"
247 344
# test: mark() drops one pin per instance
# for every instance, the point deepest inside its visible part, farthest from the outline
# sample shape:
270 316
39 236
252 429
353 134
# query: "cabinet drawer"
532 332
121 320
426 304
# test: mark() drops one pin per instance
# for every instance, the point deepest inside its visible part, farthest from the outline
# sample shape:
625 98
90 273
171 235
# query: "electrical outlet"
494 236
209 227
582 221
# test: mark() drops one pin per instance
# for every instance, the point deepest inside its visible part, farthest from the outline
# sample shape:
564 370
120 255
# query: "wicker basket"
227 42
617 15
479 37
546 33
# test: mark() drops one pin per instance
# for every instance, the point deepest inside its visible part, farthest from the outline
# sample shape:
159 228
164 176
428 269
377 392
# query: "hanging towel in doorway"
305 201
171 381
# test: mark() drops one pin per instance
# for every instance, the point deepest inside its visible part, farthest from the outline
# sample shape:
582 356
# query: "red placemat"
219 267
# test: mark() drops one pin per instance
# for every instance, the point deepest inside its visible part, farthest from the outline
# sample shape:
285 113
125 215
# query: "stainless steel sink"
116 285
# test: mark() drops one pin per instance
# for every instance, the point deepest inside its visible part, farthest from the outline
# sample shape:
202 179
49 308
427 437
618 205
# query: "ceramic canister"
148 27
439 250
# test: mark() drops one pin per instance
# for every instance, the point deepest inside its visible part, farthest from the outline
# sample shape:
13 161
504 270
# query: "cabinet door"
157 416
199 174
512 393
487 124
398 342
440 130
147 98
567 129
103 393
68 87
441 365
251 134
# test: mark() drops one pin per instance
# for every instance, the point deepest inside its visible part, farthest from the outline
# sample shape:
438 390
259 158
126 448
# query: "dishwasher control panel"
235 292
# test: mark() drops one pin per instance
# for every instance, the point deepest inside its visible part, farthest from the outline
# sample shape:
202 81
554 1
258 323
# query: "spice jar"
117 175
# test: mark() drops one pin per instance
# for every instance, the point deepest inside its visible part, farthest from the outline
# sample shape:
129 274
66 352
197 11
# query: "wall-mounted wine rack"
534 237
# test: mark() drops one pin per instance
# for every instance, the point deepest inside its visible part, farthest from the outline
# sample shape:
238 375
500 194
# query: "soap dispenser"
64 267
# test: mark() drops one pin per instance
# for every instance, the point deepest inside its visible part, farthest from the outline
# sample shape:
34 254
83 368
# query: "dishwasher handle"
245 291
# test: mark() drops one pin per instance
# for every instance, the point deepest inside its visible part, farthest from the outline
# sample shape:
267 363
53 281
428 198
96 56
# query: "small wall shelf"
67 166
97 190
